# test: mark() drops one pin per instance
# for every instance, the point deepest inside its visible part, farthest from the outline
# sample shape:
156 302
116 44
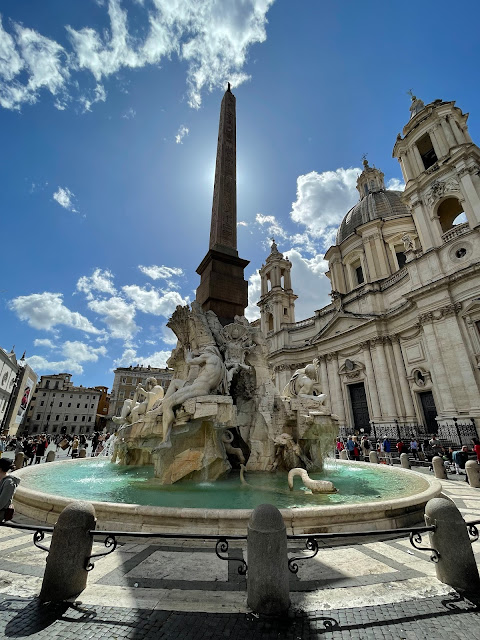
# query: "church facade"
398 348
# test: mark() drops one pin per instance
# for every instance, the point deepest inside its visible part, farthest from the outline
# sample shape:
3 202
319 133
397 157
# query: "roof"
376 205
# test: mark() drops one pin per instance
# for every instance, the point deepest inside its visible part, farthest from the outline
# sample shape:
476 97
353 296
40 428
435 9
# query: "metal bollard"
404 461
50 456
439 468
268 577
373 457
343 454
65 574
82 453
472 469
456 565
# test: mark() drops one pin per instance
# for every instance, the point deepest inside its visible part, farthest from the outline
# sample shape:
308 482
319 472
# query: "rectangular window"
69 404
55 429
44 394
91 406
78 406
83 418
359 274
401 259
62 395
48 417
71 396
60 404
124 381
42 403
53 395
75 418
65 419
86 406
38 417
51 404
425 147
57 417
89 418
88 397
132 393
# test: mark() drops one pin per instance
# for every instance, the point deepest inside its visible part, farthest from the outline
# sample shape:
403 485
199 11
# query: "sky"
108 125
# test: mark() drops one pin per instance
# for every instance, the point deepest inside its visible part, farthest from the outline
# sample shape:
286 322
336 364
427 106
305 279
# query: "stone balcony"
455 231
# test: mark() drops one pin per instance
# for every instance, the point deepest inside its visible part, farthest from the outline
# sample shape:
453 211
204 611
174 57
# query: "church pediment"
340 323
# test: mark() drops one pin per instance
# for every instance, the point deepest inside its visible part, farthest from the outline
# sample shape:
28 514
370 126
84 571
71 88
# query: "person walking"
75 445
40 450
8 485
414 448
365 446
387 451
460 459
350 447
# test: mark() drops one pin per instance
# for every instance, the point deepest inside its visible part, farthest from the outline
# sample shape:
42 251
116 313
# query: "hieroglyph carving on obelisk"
223 230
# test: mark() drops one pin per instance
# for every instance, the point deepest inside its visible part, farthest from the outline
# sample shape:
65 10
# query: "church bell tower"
277 301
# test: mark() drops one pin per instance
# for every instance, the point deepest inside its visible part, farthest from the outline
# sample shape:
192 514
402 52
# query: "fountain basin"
45 506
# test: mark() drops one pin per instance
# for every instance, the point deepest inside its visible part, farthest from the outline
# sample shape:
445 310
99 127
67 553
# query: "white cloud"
323 199
100 280
152 301
212 37
46 310
242 223
252 312
181 133
43 342
80 352
161 272
274 228
65 197
118 315
43 61
40 364
395 184
98 95
168 337
129 114
131 357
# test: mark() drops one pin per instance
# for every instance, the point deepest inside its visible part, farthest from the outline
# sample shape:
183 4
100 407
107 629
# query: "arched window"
450 213
270 322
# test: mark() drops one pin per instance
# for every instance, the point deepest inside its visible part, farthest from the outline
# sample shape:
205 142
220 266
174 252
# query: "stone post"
439 468
343 455
50 456
472 469
82 453
65 575
404 461
19 460
268 575
456 566
373 457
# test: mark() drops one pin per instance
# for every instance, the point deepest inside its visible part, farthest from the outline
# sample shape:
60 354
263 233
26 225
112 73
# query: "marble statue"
304 384
210 376
227 439
143 400
408 242
316 486
237 345
288 454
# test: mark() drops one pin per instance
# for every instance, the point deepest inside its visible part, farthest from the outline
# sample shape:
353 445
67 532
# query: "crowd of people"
35 448
454 460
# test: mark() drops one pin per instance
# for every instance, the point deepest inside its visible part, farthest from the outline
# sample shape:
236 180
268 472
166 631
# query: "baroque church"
398 347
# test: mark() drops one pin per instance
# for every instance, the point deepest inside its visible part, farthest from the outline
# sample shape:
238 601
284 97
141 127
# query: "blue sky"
108 119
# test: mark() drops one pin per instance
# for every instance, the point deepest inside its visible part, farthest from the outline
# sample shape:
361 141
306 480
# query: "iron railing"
311 541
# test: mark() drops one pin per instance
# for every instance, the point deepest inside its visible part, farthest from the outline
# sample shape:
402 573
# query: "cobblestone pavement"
172 589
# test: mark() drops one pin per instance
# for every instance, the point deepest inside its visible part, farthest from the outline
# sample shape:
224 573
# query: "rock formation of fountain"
222 408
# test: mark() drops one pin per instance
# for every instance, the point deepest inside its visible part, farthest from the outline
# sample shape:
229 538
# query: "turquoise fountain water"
99 480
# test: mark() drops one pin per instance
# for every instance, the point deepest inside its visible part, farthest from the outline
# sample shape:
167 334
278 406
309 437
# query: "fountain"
181 457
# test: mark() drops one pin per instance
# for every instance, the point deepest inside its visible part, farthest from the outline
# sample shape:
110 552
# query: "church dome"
374 205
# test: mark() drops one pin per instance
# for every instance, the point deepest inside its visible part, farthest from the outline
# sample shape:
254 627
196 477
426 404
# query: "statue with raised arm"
142 401
210 376
237 344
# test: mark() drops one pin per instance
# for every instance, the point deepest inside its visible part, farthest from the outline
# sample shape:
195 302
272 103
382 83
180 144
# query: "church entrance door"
358 398
429 411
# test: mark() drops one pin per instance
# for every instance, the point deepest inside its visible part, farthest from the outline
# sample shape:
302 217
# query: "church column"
381 255
393 373
288 279
371 383
437 143
472 198
407 168
335 385
383 378
447 130
370 259
324 379
453 334
418 159
402 377
438 373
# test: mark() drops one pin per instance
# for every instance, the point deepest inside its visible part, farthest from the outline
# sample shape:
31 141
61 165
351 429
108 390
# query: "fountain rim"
30 500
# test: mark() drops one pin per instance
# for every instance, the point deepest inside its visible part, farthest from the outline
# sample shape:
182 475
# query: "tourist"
460 458
476 448
75 445
414 448
8 485
387 450
40 449
400 447
356 450
435 446
365 446
30 448
94 443
340 446
3 445
350 447
100 445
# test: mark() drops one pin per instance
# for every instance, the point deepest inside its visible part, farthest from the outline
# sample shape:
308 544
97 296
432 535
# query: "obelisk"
223 288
